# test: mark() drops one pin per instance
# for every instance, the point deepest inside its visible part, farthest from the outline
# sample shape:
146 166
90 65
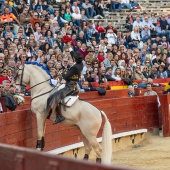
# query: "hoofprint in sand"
152 154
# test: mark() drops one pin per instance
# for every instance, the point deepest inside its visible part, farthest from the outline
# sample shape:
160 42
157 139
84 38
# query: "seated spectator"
98 10
4 76
8 17
99 27
83 15
112 37
160 32
143 83
153 19
90 56
138 23
138 74
145 72
154 72
88 7
117 74
100 56
109 74
68 15
76 18
129 22
34 19
116 4
145 34
161 72
75 7
92 32
83 50
125 3
135 35
131 91
86 87
129 42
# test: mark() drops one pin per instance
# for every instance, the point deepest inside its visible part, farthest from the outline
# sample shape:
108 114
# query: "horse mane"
45 75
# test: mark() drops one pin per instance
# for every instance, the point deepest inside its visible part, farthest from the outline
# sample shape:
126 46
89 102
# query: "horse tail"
106 141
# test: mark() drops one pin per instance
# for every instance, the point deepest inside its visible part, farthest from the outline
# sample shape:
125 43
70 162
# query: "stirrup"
59 119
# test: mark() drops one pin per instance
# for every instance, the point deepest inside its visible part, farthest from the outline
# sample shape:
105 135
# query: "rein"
33 86
41 95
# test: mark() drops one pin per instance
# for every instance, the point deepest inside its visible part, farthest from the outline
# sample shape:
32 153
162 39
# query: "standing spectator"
130 91
150 92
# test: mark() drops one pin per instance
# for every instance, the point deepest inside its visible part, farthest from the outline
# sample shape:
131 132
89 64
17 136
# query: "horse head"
22 77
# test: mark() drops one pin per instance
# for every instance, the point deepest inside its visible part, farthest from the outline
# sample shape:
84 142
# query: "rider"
71 78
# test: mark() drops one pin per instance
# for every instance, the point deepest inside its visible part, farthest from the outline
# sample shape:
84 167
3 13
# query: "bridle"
21 84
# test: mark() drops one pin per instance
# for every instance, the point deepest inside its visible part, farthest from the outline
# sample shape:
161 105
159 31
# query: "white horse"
81 114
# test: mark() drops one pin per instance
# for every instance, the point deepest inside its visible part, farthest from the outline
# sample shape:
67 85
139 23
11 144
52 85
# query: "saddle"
71 97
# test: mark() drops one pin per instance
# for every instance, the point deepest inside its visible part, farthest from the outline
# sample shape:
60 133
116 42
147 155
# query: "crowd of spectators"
33 31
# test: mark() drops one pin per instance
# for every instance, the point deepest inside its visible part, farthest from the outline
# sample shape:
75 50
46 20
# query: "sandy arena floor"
152 154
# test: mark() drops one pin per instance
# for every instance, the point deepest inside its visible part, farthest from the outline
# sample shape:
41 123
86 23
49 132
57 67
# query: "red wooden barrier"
26 159
125 114
88 96
166 114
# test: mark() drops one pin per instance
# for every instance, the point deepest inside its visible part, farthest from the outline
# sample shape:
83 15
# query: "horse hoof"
39 149
98 160
86 157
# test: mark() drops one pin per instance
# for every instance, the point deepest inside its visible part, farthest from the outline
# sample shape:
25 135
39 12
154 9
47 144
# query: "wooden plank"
18 158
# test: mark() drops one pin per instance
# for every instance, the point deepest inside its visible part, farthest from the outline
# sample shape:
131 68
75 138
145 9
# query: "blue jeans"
134 4
145 38
126 5
89 12
50 10
115 6
166 34
77 22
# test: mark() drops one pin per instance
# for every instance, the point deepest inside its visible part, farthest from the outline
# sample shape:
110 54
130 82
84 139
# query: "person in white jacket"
135 35
112 38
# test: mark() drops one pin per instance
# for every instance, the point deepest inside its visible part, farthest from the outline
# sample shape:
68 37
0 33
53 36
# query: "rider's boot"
59 119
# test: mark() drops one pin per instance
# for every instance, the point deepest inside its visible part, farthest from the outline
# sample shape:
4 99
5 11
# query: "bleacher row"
149 6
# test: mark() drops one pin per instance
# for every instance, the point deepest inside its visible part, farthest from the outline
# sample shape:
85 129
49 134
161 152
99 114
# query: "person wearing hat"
90 56
39 11
160 32
71 78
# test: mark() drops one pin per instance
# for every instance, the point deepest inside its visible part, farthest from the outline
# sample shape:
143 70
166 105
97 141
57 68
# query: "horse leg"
41 119
87 146
96 146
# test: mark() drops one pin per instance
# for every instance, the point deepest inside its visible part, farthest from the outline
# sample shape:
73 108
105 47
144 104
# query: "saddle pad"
70 100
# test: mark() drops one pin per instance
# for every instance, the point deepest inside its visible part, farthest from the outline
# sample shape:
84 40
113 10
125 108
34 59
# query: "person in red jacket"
101 57
34 19
4 75
99 27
